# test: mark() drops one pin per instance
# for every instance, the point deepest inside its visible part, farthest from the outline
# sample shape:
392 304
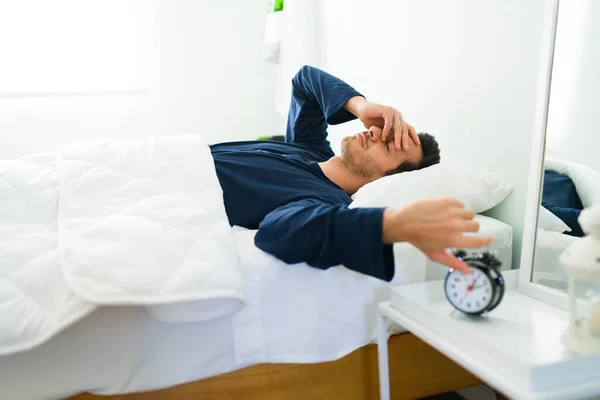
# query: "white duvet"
113 222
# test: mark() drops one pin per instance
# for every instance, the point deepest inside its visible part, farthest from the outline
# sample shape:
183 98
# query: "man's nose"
374 134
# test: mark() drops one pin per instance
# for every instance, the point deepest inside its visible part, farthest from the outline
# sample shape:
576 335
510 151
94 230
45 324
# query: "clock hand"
469 288
479 286
472 283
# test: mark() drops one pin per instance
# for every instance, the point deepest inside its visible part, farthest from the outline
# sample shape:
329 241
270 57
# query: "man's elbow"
301 75
305 69
274 245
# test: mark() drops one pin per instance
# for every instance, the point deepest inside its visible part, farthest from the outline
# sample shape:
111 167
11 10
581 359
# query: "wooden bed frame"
416 370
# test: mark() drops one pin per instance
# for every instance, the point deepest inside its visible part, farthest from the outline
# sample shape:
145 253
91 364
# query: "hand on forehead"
411 144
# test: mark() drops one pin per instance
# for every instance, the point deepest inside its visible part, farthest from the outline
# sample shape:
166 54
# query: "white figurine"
582 263
594 322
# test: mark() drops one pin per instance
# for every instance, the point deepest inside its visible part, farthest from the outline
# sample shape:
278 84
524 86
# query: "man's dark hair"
431 155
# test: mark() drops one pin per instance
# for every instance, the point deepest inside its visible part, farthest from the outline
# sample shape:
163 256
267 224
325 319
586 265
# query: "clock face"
471 294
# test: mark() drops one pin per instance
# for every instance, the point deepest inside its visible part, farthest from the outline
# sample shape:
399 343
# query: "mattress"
294 314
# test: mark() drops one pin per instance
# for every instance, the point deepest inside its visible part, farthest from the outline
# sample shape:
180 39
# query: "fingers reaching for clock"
463 213
433 226
473 242
449 260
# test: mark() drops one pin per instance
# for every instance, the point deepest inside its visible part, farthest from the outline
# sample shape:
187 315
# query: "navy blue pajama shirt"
279 188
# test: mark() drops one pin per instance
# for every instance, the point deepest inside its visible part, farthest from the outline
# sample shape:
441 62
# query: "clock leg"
382 351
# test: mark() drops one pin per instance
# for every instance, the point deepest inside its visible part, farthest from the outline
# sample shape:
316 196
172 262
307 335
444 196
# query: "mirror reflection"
571 171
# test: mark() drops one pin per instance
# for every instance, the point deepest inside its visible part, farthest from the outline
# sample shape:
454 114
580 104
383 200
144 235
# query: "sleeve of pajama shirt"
317 101
325 235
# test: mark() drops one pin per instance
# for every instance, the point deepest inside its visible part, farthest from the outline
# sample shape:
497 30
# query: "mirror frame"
534 188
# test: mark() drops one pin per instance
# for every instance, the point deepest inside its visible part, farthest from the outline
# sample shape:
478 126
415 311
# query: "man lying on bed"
297 193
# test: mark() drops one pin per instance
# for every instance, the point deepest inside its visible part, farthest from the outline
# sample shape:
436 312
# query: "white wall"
573 132
463 70
211 79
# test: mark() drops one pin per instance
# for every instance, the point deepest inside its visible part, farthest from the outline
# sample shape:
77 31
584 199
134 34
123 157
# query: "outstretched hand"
433 226
390 120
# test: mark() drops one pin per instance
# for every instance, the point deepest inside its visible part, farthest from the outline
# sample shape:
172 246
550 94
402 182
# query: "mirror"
571 169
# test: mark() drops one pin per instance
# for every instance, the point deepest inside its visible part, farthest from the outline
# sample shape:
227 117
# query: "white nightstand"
516 348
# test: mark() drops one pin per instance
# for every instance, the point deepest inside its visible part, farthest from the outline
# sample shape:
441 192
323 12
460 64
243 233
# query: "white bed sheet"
295 314
546 267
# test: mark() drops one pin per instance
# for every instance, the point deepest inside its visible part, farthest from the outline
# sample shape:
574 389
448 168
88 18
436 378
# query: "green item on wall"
278 6
276 138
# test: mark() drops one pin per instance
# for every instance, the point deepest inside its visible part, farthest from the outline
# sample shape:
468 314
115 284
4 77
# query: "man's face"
368 156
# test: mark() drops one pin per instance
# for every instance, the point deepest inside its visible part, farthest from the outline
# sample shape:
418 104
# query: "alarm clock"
479 292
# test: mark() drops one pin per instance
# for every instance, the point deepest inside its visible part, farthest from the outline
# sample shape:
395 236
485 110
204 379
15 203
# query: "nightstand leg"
382 351
500 396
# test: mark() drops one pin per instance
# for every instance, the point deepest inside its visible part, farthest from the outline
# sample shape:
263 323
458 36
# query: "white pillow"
477 188
550 222
585 179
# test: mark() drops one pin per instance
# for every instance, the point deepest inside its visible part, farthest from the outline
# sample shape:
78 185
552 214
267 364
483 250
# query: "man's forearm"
324 235
353 104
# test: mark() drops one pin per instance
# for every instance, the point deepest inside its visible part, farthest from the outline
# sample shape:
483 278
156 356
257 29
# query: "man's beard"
360 164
